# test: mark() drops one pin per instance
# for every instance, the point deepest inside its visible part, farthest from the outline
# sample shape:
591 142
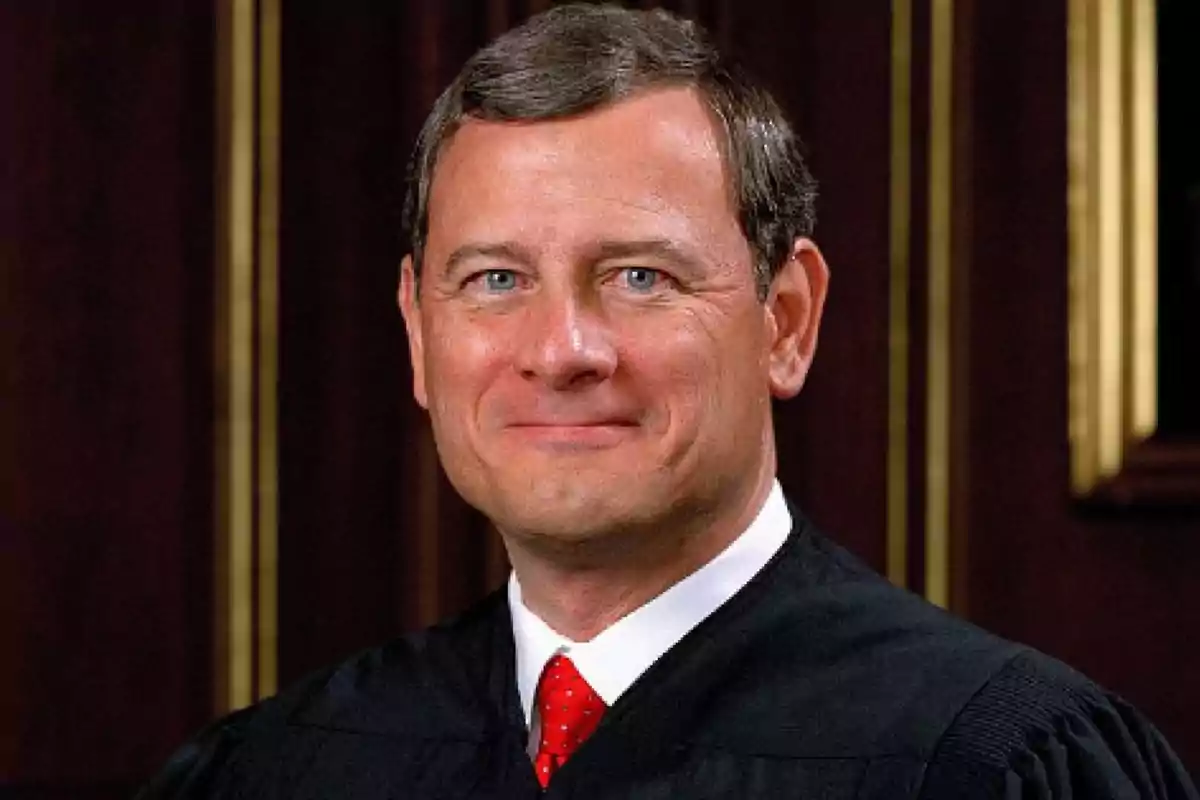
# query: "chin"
567 510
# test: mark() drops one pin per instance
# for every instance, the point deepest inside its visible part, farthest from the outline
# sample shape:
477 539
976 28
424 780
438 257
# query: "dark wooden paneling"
829 65
918 297
105 464
1111 593
356 460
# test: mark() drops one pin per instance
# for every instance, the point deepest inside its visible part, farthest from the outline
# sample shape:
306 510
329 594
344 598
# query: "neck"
582 593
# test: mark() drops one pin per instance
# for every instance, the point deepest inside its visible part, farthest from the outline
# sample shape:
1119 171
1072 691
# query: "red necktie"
570 710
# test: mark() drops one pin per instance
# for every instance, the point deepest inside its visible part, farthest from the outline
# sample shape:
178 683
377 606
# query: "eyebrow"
605 250
664 249
502 251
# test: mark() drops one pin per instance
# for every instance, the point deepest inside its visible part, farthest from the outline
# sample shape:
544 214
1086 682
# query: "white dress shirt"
618 655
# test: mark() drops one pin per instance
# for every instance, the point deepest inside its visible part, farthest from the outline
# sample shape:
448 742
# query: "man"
611 276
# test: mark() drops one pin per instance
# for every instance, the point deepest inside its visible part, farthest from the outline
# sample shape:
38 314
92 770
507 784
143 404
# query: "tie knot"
569 709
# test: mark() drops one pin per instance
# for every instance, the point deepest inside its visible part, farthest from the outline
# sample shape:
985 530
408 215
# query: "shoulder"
1039 727
853 666
388 688
425 684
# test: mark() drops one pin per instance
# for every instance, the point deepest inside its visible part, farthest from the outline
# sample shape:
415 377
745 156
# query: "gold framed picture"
1134 268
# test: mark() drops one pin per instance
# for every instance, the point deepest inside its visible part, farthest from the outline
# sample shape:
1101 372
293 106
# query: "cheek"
714 373
710 349
458 357
460 366
680 370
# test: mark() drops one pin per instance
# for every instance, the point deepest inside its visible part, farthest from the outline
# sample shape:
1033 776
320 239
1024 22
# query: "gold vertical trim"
235 334
1113 220
1111 229
938 403
246 351
1082 218
268 344
1143 209
900 211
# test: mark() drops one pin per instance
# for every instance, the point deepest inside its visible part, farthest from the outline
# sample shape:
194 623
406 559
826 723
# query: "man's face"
588 339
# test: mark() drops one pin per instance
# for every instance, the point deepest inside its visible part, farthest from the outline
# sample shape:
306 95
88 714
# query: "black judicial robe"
818 680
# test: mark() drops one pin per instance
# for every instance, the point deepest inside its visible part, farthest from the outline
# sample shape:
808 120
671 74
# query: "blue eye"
641 279
499 280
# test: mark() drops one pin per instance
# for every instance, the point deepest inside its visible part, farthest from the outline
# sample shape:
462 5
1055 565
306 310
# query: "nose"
565 345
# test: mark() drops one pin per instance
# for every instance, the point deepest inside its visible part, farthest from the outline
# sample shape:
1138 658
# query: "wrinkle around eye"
663 281
477 282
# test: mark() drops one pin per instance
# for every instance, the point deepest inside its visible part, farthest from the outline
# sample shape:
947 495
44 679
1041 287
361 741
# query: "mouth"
572 435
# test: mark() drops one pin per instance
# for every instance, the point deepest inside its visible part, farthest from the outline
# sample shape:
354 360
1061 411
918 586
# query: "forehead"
652 161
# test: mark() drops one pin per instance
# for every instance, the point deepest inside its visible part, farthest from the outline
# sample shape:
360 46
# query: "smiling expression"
586 333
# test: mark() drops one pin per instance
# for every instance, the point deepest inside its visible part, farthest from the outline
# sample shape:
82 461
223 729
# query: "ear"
410 308
794 307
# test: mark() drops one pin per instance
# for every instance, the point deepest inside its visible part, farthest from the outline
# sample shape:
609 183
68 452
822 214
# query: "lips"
574 423
542 417
573 433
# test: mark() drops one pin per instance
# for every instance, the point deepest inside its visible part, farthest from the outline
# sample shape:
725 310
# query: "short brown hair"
579 57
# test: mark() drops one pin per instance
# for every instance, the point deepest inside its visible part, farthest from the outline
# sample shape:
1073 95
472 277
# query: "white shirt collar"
618 656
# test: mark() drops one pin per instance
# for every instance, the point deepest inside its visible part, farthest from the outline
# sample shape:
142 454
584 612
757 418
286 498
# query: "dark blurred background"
115 606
